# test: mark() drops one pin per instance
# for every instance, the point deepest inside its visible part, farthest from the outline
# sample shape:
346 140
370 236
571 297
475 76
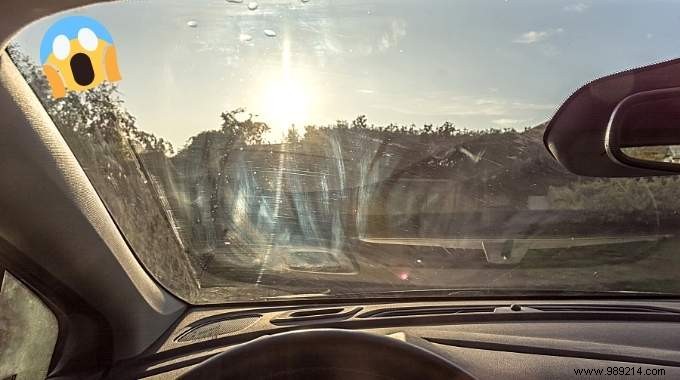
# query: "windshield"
286 148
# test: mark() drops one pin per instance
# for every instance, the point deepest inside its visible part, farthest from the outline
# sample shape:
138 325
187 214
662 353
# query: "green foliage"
292 136
242 132
99 112
360 122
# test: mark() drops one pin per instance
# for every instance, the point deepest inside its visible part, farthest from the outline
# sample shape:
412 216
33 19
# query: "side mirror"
644 131
623 125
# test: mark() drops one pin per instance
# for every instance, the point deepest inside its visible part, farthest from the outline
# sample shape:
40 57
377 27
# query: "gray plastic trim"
49 209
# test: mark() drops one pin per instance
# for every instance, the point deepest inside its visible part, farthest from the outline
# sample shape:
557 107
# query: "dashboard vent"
217 328
315 315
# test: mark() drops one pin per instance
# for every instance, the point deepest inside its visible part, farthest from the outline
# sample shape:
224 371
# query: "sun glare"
285 97
286 103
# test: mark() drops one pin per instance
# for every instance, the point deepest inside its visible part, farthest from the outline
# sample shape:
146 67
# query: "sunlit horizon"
286 99
479 66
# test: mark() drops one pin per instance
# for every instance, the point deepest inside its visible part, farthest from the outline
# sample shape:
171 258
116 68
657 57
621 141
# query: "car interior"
101 284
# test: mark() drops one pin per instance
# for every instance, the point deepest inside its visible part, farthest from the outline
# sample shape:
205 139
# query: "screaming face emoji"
77 53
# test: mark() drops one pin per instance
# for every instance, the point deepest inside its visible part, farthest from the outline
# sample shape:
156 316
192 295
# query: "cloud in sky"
534 36
396 32
511 122
578 7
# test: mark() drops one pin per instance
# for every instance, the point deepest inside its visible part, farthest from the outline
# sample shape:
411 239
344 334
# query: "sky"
477 63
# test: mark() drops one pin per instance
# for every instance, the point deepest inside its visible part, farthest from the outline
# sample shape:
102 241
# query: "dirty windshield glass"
318 148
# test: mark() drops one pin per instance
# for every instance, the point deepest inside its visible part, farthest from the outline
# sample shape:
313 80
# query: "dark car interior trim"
575 136
84 338
76 240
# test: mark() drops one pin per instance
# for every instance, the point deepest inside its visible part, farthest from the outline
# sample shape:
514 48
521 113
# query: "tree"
292 136
360 122
97 113
247 132
446 129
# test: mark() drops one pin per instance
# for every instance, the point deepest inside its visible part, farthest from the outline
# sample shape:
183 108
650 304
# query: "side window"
28 331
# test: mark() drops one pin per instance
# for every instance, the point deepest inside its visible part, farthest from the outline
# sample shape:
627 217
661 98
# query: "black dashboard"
483 340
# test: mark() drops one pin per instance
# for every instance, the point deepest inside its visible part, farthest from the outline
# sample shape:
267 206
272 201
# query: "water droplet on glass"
192 23
243 37
305 1
252 5
269 33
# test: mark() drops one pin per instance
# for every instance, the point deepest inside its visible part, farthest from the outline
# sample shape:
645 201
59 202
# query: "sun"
286 96
286 102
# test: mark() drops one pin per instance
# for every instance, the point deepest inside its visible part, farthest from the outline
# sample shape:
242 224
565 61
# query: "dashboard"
482 340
